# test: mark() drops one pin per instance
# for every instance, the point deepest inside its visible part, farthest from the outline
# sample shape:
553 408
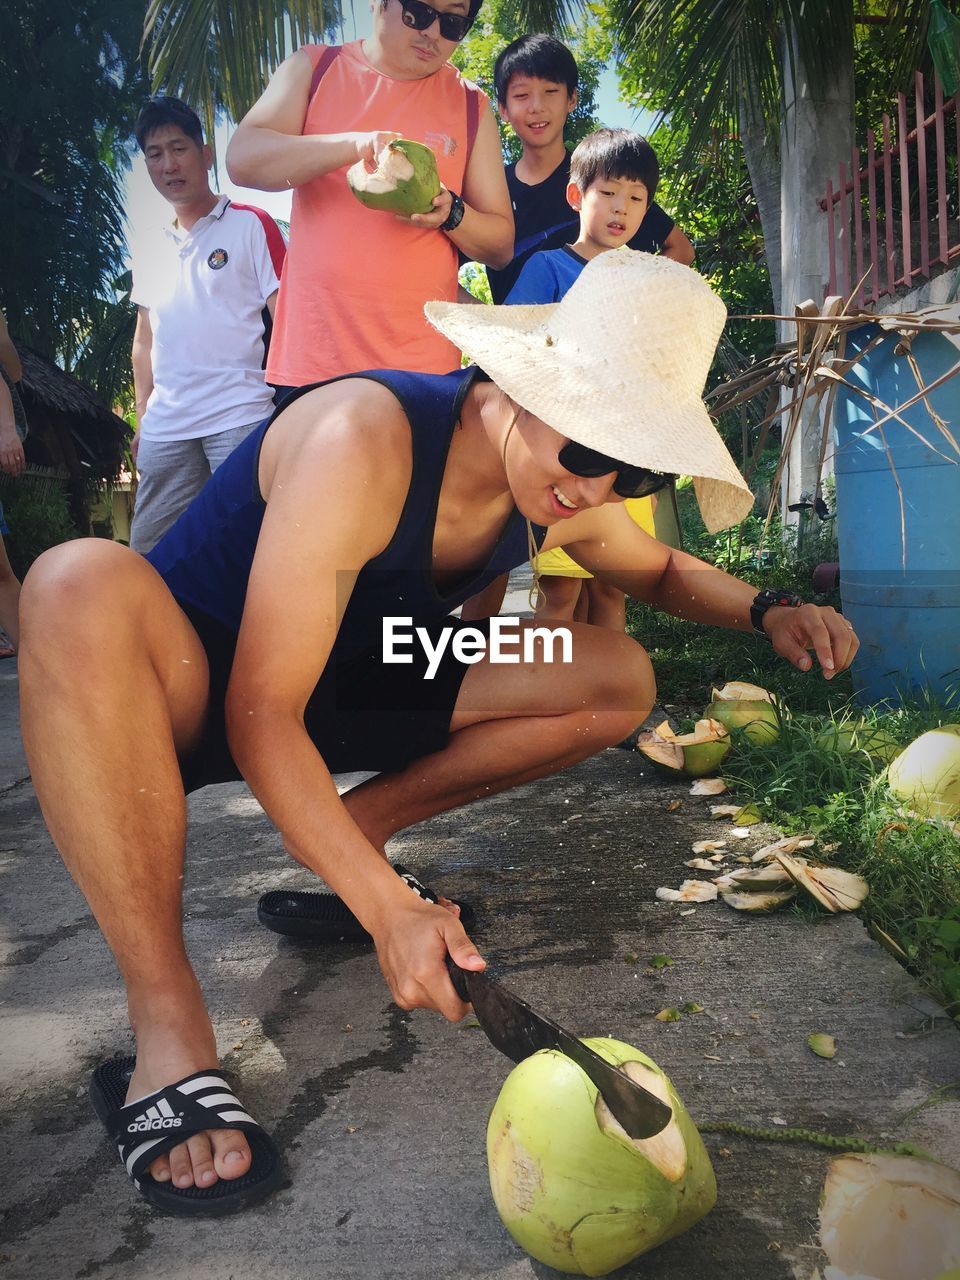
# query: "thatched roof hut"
71 428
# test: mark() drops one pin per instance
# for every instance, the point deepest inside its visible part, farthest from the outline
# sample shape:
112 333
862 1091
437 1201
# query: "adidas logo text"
142 1126
159 1116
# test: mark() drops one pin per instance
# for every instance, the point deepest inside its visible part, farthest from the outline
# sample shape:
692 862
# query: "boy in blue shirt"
536 85
613 180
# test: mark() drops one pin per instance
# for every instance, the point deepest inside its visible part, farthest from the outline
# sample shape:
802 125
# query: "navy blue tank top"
205 557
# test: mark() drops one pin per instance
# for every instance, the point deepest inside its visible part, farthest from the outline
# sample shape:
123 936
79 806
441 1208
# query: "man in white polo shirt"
205 291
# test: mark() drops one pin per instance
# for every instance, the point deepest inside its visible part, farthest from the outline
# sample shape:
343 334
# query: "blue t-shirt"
547 276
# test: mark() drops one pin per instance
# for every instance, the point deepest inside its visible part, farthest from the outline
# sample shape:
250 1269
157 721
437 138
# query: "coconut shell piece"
660 750
834 889
724 810
751 878
761 903
689 891
789 844
708 787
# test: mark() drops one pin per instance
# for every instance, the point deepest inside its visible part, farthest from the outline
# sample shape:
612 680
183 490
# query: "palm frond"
553 17
219 54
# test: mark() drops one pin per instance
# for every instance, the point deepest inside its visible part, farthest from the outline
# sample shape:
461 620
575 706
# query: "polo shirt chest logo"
218 259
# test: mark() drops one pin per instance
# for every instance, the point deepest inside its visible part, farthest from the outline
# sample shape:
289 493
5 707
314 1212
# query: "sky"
146 208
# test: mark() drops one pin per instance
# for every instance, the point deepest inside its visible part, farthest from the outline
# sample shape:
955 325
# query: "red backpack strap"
473 119
329 54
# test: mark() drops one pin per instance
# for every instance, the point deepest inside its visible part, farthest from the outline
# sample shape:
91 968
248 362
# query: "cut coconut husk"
890 1218
789 844
761 903
689 891
709 846
708 787
926 775
724 810
693 754
834 889
748 708
759 878
741 691
405 180
572 1188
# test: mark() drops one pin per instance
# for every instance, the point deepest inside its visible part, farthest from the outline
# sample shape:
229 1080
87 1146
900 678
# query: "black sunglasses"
420 16
631 482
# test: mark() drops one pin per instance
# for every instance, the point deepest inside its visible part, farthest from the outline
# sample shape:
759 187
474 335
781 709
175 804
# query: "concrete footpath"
381 1115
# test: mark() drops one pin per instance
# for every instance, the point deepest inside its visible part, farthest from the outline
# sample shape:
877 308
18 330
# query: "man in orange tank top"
355 279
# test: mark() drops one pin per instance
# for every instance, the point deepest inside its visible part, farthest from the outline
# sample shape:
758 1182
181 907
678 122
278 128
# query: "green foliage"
912 867
219 55
38 517
497 27
65 117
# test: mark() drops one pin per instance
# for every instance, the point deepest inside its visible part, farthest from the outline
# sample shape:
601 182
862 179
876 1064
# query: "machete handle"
458 977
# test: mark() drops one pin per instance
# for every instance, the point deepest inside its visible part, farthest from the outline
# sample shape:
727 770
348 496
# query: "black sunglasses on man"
631 482
420 16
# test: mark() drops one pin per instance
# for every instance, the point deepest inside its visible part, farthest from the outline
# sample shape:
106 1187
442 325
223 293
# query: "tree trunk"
763 165
816 134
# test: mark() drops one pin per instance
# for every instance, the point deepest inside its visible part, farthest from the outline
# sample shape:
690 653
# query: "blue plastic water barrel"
900 581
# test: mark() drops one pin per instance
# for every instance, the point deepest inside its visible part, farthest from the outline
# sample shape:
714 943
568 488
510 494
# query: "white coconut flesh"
890 1218
393 167
666 1150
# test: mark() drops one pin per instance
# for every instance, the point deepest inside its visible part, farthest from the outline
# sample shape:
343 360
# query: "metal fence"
893 218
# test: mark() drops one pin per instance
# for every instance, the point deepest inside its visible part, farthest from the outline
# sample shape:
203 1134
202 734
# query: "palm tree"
219 54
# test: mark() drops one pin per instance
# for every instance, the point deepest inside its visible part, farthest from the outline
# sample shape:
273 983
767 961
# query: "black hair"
538 56
162 110
615 153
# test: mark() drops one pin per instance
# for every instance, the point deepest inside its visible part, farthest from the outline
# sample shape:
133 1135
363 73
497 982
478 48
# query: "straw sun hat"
619 365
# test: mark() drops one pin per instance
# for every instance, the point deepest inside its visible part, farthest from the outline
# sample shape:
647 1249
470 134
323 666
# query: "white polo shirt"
206 290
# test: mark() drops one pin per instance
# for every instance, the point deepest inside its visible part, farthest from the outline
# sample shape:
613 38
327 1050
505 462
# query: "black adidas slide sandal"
324 917
155 1124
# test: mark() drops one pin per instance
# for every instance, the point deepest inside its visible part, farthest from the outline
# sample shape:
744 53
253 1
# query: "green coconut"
404 181
926 776
572 1188
746 707
694 755
858 735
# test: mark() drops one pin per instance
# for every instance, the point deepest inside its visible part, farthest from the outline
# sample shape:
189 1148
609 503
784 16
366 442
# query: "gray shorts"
172 473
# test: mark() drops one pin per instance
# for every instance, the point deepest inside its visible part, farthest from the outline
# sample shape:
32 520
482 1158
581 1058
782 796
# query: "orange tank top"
355 280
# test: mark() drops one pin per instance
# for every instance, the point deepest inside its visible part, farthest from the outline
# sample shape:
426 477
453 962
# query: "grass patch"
802 782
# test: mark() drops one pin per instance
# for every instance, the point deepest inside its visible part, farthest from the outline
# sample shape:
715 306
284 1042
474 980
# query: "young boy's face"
537 109
611 210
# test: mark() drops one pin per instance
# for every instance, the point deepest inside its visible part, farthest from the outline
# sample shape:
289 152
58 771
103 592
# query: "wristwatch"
766 600
455 216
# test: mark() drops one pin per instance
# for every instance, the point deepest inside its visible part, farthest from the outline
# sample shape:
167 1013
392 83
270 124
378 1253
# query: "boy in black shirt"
536 85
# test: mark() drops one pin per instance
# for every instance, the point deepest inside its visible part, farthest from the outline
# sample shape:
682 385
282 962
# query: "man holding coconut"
250 641
355 280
